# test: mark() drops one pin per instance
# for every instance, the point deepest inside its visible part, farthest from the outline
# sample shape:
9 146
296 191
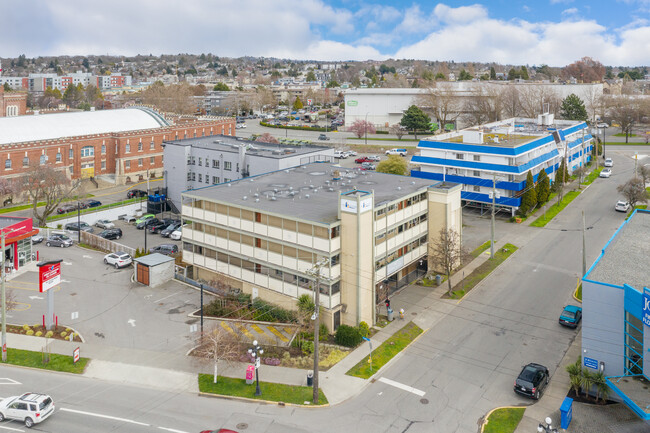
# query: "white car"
602 125
607 172
374 158
339 154
622 206
30 408
119 259
351 153
176 234
609 162
105 224
400 152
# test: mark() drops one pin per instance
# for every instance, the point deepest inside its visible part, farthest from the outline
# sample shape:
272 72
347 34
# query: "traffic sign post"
370 355
75 355
49 276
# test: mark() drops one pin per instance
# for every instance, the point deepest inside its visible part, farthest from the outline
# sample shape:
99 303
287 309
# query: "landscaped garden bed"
59 333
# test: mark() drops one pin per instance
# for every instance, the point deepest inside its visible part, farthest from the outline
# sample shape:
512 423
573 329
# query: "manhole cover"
242 426
424 400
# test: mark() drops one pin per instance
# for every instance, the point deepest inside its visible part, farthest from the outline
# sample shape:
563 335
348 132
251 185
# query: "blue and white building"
616 314
503 153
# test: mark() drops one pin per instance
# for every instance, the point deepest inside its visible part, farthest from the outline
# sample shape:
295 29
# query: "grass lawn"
592 176
555 209
621 134
386 351
27 358
477 252
504 420
270 391
482 271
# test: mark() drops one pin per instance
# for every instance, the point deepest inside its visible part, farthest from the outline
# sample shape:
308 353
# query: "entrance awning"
633 390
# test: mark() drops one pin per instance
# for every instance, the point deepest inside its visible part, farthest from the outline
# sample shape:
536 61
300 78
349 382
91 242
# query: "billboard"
49 275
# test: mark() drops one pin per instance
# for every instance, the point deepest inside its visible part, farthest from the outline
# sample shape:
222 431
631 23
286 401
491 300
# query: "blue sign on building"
591 363
646 307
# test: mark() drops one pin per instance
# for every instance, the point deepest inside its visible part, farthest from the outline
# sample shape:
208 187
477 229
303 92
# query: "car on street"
157 226
111 234
92 203
37 239
609 162
58 240
323 137
119 259
136 193
144 217
75 227
362 159
570 316
374 158
66 208
368 166
606 172
30 408
622 206
602 125
166 249
400 152
104 224
532 380
167 231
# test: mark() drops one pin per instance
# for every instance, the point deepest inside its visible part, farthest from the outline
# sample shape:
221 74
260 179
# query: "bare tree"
42 183
446 253
8 188
585 70
361 127
266 138
634 191
644 172
442 101
511 105
627 112
217 345
485 105
175 98
398 130
532 100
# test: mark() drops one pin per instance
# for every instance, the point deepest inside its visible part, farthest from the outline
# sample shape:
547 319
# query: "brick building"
118 146
12 103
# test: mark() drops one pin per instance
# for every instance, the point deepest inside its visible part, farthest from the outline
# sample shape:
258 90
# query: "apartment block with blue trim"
616 314
502 153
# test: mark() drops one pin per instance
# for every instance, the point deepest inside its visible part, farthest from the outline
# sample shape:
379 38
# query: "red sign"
75 355
49 275
309 101
250 371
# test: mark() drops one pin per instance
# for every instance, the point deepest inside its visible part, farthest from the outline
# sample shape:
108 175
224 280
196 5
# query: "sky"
552 32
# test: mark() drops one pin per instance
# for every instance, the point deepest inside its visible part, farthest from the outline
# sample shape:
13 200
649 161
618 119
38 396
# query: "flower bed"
59 333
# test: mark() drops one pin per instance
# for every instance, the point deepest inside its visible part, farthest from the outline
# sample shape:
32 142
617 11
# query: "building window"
237 168
42 160
477 157
258 217
87 151
207 179
25 161
8 163
71 154
477 173
335 232
152 145
127 165
193 176
189 175
200 162
152 160
476 188
215 163
103 165
128 148
58 157
225 179
215 180
460 156
200 177
140 147
103 149
139 162
335 260
227 166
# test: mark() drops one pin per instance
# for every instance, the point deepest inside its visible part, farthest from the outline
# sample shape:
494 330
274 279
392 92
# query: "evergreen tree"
415 119
573 108
543 188
512 74
493 73
529 199
297 104
559 177
524 73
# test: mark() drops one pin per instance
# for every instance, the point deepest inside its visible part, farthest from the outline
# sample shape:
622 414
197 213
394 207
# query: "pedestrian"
387 305
646 138
401 313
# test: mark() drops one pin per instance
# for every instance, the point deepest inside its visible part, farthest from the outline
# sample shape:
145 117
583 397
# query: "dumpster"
310 378
390 315
566 412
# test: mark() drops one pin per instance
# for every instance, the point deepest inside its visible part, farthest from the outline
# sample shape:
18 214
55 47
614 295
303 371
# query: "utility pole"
315 272
4 302
584 246
494 197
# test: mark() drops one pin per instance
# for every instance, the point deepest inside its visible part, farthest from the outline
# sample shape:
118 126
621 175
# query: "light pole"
315 272
604 128
546 428
256 351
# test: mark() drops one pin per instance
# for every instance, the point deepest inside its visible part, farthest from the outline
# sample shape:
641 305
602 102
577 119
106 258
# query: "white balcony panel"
322 244
234 222
198 236
186 211
188 234
290 289
275 258
247 275
391 219
380 249
275 285
222 243
247 250
188 257
260 254
380 274
399 239
261 229
305 240
234 246
222 267
289 236
197 213
211 263
290 263
234 271
335 244
304 266
210 216
222 219
199 260
335 271
335 299
210 239
262 280
247 225
275 232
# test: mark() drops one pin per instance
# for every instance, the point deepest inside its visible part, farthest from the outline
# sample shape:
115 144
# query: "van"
401 152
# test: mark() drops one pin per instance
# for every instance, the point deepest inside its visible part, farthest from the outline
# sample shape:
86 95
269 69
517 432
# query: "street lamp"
604 128
546 428
255 352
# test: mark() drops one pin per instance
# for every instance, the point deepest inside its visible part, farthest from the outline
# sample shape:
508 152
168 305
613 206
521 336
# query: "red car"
223 430
362 160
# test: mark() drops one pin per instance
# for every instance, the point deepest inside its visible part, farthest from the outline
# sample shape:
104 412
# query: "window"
200 162
25 161
152 160
335 232
227 165
42 160
152 145
8 163
71 154
215 163
103 149
207 179
128 148
225 179
460 156
215 180
476 188
200 177
193 176
477 157
87 151
189 175
477 173
140 147
335 260
237 168
103 165
58 157
127 165
139 162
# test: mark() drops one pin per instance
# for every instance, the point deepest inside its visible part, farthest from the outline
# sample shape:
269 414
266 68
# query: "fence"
104 244
181 275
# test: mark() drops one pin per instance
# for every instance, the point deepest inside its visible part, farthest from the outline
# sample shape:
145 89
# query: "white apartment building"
263 234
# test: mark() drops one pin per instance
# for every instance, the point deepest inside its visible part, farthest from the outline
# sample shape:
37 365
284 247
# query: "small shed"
154 269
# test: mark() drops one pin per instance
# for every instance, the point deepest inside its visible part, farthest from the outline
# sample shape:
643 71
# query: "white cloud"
462 14
554 2
570 11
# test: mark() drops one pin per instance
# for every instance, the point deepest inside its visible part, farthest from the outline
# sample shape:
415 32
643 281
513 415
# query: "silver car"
119 259
104 224
58 240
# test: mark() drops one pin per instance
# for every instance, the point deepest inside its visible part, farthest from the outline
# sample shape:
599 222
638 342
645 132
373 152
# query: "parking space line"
225 326
245 331
172 430
287 330
28 306
168 296
11 429
98 415
402 386
257 329
7 381
277 333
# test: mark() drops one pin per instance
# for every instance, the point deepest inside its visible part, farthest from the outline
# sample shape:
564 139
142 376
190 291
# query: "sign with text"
49 275
646 307
350 206
591 363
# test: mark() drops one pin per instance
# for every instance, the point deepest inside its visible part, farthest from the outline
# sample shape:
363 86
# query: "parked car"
146 223
66 208
167 231
609 162
119 259
104 224
606 172
128 218
363 159
111 234
351 152
166 249
157 226
602 125
176 234
58 240
368 166
30 408
570 316
92 203
136 193
144 217
374 158
323 137
532 380
37 239
622 206
75 227
400 152
339 154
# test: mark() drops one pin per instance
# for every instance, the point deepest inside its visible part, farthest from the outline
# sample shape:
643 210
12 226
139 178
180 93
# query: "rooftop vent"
306 195
330 189
245 197
273 198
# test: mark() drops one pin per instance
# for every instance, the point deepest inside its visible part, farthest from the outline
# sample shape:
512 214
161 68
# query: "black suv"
157 226
111 234
166 249
170 229
136 193
532 380
147 223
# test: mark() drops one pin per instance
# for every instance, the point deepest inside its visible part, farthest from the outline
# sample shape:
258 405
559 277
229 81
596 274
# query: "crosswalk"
265 334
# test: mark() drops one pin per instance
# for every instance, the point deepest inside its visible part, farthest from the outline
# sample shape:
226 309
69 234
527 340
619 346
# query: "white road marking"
67 263
7 381
36 297
131 322
98 415
402 386
168 296
11 429
87 256
172 430
65 281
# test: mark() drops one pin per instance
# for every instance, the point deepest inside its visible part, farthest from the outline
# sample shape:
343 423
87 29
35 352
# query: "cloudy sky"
553 32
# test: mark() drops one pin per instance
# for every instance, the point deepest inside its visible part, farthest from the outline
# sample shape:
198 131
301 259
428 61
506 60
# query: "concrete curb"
253 400
487 416
6 364
83 340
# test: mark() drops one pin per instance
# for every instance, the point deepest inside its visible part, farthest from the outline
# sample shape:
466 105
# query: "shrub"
68 329
26 327
38 333
307 347
348 336
49 334
30 332
63 334
364 329
323 332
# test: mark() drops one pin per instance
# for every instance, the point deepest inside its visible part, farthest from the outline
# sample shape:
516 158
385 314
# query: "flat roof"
227 143
7 221
625 257
154 259
309 192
